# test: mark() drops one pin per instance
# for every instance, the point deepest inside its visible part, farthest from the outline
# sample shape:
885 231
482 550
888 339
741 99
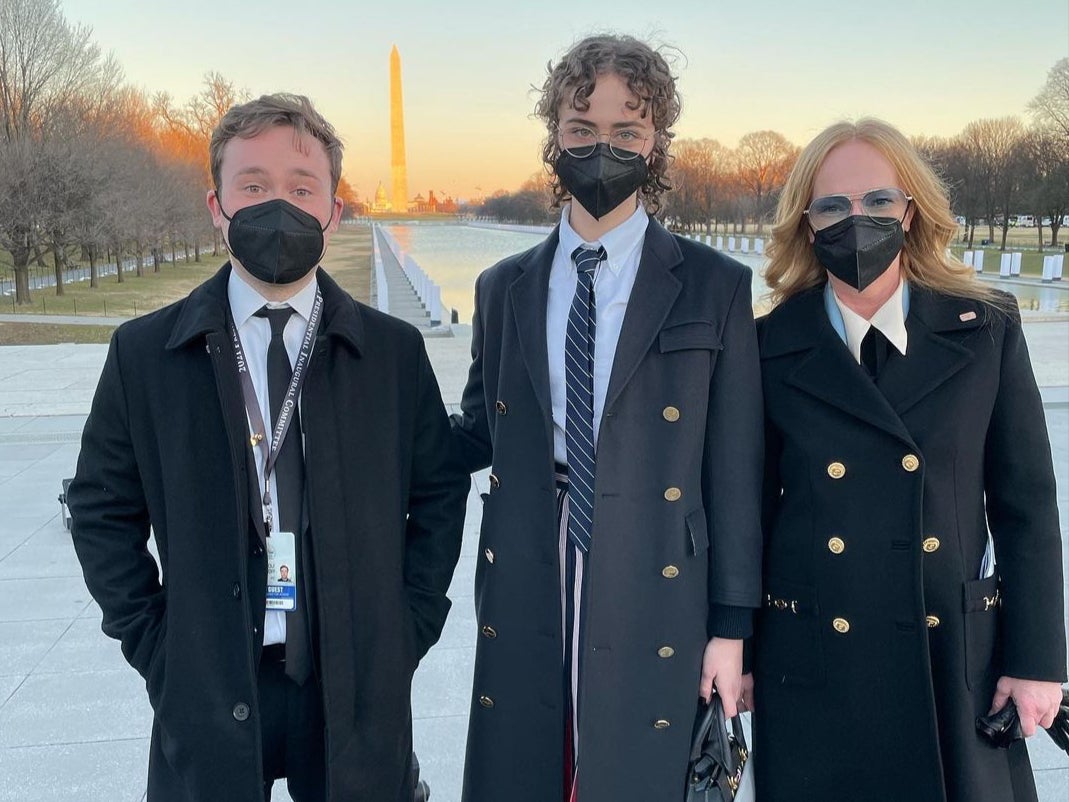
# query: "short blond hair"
925 262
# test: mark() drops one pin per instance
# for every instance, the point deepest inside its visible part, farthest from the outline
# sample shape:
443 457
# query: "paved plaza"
74 720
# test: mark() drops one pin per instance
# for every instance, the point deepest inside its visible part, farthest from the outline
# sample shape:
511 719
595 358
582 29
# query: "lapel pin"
966 316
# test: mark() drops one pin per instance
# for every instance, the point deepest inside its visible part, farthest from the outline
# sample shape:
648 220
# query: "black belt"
274 653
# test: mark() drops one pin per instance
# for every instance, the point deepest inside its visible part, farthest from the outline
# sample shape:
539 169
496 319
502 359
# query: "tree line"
995 169
93 169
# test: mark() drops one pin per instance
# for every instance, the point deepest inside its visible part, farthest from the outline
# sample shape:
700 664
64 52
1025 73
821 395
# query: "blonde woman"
903 423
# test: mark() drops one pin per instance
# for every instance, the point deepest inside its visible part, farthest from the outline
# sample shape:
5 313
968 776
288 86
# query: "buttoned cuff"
733 623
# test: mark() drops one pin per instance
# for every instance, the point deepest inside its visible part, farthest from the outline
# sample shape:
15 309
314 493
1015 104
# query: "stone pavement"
74 721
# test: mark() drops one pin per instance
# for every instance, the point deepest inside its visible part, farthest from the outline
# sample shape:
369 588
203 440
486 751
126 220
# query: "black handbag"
721 765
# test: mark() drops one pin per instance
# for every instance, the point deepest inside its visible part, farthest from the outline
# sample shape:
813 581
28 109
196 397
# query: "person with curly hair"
615 391
903 426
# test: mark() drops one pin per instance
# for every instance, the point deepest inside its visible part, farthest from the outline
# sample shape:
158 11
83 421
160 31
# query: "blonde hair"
925 260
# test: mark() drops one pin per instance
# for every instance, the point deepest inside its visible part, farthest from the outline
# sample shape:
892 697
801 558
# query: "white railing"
429 293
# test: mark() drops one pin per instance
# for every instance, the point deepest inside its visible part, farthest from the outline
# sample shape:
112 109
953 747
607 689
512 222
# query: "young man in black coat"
269 419
614 583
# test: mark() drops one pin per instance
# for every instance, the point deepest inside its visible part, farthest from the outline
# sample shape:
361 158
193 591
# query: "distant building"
381 204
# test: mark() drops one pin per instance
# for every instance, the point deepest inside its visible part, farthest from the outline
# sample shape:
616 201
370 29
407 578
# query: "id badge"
282 572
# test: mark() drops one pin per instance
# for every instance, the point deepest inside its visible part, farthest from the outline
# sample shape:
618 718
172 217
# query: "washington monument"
397 137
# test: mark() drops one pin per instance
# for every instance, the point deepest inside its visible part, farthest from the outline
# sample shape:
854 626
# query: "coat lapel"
204 314
827 371
931 358
529 293
652 297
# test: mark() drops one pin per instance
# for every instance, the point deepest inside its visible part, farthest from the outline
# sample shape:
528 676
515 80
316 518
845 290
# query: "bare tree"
764 159
994 150
47 68
1051 105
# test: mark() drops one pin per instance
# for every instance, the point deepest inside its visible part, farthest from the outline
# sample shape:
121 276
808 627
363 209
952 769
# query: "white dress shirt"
255 334
889 319
613 281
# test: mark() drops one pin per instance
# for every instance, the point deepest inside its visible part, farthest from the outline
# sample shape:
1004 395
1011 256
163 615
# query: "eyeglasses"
884 207
580 141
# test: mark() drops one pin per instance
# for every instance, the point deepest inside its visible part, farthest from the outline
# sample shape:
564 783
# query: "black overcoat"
880 644
166 445
676 524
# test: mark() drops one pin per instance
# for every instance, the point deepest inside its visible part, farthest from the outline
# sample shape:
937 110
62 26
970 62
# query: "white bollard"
978 261
1048 268
759 246
1059 263
720 243
966 258
709 240
1015 264
731 244
1005 265
435 306
745 244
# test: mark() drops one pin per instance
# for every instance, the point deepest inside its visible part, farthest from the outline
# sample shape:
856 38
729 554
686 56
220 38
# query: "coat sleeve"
436 504
110 523
1022 514
471 430
732 470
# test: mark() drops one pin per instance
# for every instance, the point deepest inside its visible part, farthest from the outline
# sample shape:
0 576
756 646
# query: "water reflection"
454 255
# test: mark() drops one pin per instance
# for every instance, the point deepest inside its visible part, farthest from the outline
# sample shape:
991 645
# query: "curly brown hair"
648 76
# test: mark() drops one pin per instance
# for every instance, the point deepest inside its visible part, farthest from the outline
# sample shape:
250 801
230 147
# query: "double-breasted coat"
166 445
880 642
675 532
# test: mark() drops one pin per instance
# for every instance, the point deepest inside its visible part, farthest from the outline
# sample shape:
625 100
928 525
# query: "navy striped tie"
579 370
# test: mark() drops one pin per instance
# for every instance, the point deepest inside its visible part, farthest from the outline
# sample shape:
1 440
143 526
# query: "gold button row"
911 462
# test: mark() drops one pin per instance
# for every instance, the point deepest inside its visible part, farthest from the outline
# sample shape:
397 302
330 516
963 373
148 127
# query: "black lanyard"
289 402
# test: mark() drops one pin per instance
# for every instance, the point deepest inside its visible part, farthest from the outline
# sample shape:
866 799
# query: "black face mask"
601 182
275 241
858 250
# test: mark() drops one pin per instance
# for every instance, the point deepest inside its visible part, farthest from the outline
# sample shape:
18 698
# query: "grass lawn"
348 261
51 334
134 296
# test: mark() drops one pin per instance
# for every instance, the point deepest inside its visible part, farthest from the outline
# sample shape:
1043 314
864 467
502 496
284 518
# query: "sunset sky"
928 66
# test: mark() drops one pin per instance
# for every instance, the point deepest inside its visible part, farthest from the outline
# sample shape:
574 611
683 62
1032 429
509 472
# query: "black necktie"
874 352
289 481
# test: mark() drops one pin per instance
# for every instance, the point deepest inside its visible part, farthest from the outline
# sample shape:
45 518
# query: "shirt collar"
246 301
889 319
619 243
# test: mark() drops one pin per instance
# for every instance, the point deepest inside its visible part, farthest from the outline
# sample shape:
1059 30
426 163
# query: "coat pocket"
981 600
698 530
688 336
788 642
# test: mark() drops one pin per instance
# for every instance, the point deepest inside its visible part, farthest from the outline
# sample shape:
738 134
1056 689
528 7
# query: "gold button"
494 482
836 545
486 701
489 632
489 556
842 626
673 494
662 724
670 572
671 414
910 462
502 409
666 652
930 544
836 470
933 621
